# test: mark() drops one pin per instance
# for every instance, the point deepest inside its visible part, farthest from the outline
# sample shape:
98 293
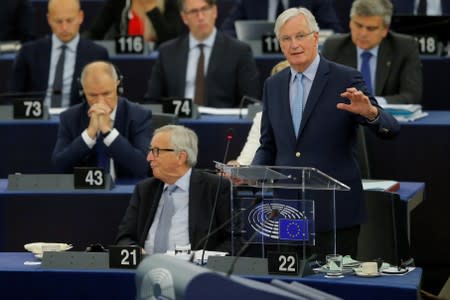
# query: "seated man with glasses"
205 65
178 205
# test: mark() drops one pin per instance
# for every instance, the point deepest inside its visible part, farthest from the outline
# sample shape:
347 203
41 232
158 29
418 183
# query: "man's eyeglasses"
299 37
197 11
155 151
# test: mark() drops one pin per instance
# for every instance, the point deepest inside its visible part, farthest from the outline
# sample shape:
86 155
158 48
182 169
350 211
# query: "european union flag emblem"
293 229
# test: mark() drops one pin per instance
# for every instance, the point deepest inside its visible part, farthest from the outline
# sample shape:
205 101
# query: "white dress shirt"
179 229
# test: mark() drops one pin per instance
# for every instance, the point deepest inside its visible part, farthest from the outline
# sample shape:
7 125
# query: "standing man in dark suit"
413 7
172 156
394 61
270 9
36 66
310 118
16 19
228 69
106 130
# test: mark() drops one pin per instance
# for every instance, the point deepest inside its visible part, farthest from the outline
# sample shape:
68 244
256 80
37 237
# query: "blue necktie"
165 221
297 105
365 69
102 156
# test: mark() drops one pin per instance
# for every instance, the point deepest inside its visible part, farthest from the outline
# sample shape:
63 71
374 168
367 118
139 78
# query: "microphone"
255 202
229 138
243 100
273 214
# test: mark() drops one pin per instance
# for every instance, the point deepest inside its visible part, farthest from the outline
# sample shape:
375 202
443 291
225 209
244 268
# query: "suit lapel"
152 209
349 55
119 122
44 58
195 193
181 61
317 87
383 66
216 54
285 106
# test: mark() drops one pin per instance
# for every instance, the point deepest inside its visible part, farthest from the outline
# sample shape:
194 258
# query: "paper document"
401 109
222 111
197 255
380 185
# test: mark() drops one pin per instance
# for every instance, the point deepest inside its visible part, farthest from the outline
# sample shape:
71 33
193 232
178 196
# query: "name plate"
130 44
124 257
181 107
28 109
89 178
270 44
283 263
428 45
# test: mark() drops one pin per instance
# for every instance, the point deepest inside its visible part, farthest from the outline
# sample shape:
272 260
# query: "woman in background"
156 20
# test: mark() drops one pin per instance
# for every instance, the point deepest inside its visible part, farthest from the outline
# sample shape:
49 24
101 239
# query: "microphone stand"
219 187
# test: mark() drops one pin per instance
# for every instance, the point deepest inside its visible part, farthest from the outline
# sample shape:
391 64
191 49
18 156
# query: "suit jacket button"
297 154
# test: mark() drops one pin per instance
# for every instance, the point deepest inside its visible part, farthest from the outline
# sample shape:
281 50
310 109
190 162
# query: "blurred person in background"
16 19
156 20
389 62
53 63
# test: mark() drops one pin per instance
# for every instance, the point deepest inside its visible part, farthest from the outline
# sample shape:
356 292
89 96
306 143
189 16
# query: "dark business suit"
231 73
133 229
399 71
16 17
31 67
109 22
129 149
327 137
406 7
258 10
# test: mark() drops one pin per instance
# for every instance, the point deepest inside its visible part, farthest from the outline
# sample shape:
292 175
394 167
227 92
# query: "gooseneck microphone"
273 214
244 99
229 138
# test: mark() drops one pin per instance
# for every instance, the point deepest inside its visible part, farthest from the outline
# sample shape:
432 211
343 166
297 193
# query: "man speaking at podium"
310 118
176 206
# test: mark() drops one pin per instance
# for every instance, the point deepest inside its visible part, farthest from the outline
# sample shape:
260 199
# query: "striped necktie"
165 221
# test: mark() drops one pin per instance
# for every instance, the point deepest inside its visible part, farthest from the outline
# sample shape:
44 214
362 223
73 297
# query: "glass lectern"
277 205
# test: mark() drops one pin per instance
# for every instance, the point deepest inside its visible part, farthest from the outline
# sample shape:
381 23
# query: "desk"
352 287
18 281
422 153
80 217
27 145
137 70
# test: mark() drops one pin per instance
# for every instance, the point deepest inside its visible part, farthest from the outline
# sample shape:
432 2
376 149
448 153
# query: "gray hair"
108 67
371 8
182 139
293 12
